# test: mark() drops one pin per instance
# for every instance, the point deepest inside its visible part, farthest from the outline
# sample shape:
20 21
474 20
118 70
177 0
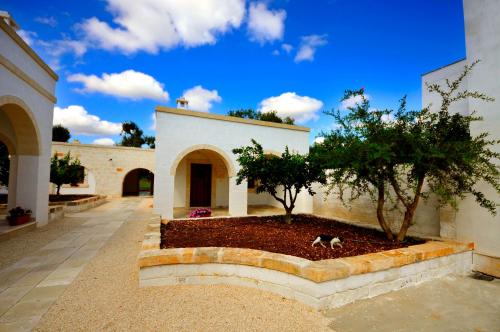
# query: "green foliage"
60 134
373 151
65 170
271 116
4 165
133 136
289 173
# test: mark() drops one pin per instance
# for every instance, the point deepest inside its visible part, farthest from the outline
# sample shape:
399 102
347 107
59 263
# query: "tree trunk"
288 216
410 211
380 213
58 189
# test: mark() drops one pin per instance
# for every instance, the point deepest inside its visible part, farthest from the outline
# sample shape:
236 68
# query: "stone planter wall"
321 284
81 204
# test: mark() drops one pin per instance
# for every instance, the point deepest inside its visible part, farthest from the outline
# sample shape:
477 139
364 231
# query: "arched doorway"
201 180
20 134
138 182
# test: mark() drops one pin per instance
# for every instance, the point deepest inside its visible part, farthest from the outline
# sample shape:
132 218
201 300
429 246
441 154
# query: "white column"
237 197
32 186
12 182
164 195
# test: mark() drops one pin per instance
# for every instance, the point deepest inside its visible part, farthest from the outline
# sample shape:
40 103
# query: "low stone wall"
321 284
56 212
81 204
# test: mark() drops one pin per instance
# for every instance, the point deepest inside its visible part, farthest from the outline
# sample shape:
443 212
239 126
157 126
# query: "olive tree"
65 170
283 177
393 154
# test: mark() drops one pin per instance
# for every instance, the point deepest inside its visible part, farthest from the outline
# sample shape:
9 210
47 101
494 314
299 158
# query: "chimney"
5 16
182 103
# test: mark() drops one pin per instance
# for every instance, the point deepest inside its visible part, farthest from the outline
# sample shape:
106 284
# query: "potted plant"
19 216
200 213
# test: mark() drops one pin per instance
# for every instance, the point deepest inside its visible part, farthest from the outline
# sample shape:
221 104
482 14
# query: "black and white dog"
337 241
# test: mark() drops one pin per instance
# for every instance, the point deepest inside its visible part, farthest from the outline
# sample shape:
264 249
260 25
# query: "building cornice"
19 41
219 117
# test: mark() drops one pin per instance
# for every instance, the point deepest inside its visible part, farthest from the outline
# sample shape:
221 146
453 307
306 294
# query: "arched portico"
20 133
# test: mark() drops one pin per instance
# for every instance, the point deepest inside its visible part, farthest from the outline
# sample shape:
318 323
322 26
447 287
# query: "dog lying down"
337 241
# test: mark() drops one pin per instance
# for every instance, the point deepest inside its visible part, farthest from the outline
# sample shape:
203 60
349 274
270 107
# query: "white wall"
32 171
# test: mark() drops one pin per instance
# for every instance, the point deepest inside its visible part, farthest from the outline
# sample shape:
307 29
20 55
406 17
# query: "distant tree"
381 152
271 116
133 136
65 170
290 172
60 134
4 165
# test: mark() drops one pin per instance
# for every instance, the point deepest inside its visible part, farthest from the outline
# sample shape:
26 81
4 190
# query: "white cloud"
353 101
287 48
308 46
127 84
80 122
27 36
301 108
201 99
47 20
150 25
57 48
103 141
319 140
275 52
265 25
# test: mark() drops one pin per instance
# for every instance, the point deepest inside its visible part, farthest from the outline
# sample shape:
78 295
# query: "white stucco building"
482 31
195 165
27 100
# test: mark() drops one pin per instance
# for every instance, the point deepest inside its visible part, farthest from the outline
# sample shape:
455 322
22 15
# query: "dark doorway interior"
138 182
201 185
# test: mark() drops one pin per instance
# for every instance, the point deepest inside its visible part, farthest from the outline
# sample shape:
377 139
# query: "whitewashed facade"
184 138
27 100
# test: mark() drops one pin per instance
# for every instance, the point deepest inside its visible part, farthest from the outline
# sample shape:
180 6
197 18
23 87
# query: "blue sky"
118 59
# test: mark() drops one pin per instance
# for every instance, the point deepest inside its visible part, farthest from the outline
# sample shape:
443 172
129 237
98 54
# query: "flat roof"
450 64
228 118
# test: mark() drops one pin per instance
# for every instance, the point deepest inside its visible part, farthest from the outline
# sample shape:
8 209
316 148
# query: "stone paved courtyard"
85 278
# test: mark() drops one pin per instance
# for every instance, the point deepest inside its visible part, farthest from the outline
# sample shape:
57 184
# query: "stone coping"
316 271
79 201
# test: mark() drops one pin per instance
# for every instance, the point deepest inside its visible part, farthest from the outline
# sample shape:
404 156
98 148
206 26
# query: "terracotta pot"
20 220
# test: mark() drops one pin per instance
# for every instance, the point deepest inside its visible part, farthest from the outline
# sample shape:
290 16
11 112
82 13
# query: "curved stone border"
81 204
321 284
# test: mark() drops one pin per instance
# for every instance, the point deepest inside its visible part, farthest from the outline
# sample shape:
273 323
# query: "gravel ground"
25 244
106 296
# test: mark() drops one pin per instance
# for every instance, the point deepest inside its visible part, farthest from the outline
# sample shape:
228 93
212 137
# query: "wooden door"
201 185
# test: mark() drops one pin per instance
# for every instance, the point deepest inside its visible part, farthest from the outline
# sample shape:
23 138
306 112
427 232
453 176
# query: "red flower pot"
20 220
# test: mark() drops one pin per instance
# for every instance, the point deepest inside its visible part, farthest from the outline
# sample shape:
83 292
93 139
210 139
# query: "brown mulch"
272 234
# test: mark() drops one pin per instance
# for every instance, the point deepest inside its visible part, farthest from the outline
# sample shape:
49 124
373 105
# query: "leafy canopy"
283 177
60 134
271 116
133 136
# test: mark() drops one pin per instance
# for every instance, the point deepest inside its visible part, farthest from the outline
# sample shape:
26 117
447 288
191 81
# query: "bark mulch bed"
67 198
271 234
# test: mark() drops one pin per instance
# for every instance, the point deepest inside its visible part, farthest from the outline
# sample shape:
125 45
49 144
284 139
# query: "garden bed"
271 234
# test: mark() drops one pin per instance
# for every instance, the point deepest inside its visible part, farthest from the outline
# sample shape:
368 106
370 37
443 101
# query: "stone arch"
225 158
131 181
24 125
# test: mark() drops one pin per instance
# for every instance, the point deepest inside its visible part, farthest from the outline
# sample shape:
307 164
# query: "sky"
118 59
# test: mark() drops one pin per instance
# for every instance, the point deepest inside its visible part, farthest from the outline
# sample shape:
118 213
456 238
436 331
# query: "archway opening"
201 180
138 182
4 175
